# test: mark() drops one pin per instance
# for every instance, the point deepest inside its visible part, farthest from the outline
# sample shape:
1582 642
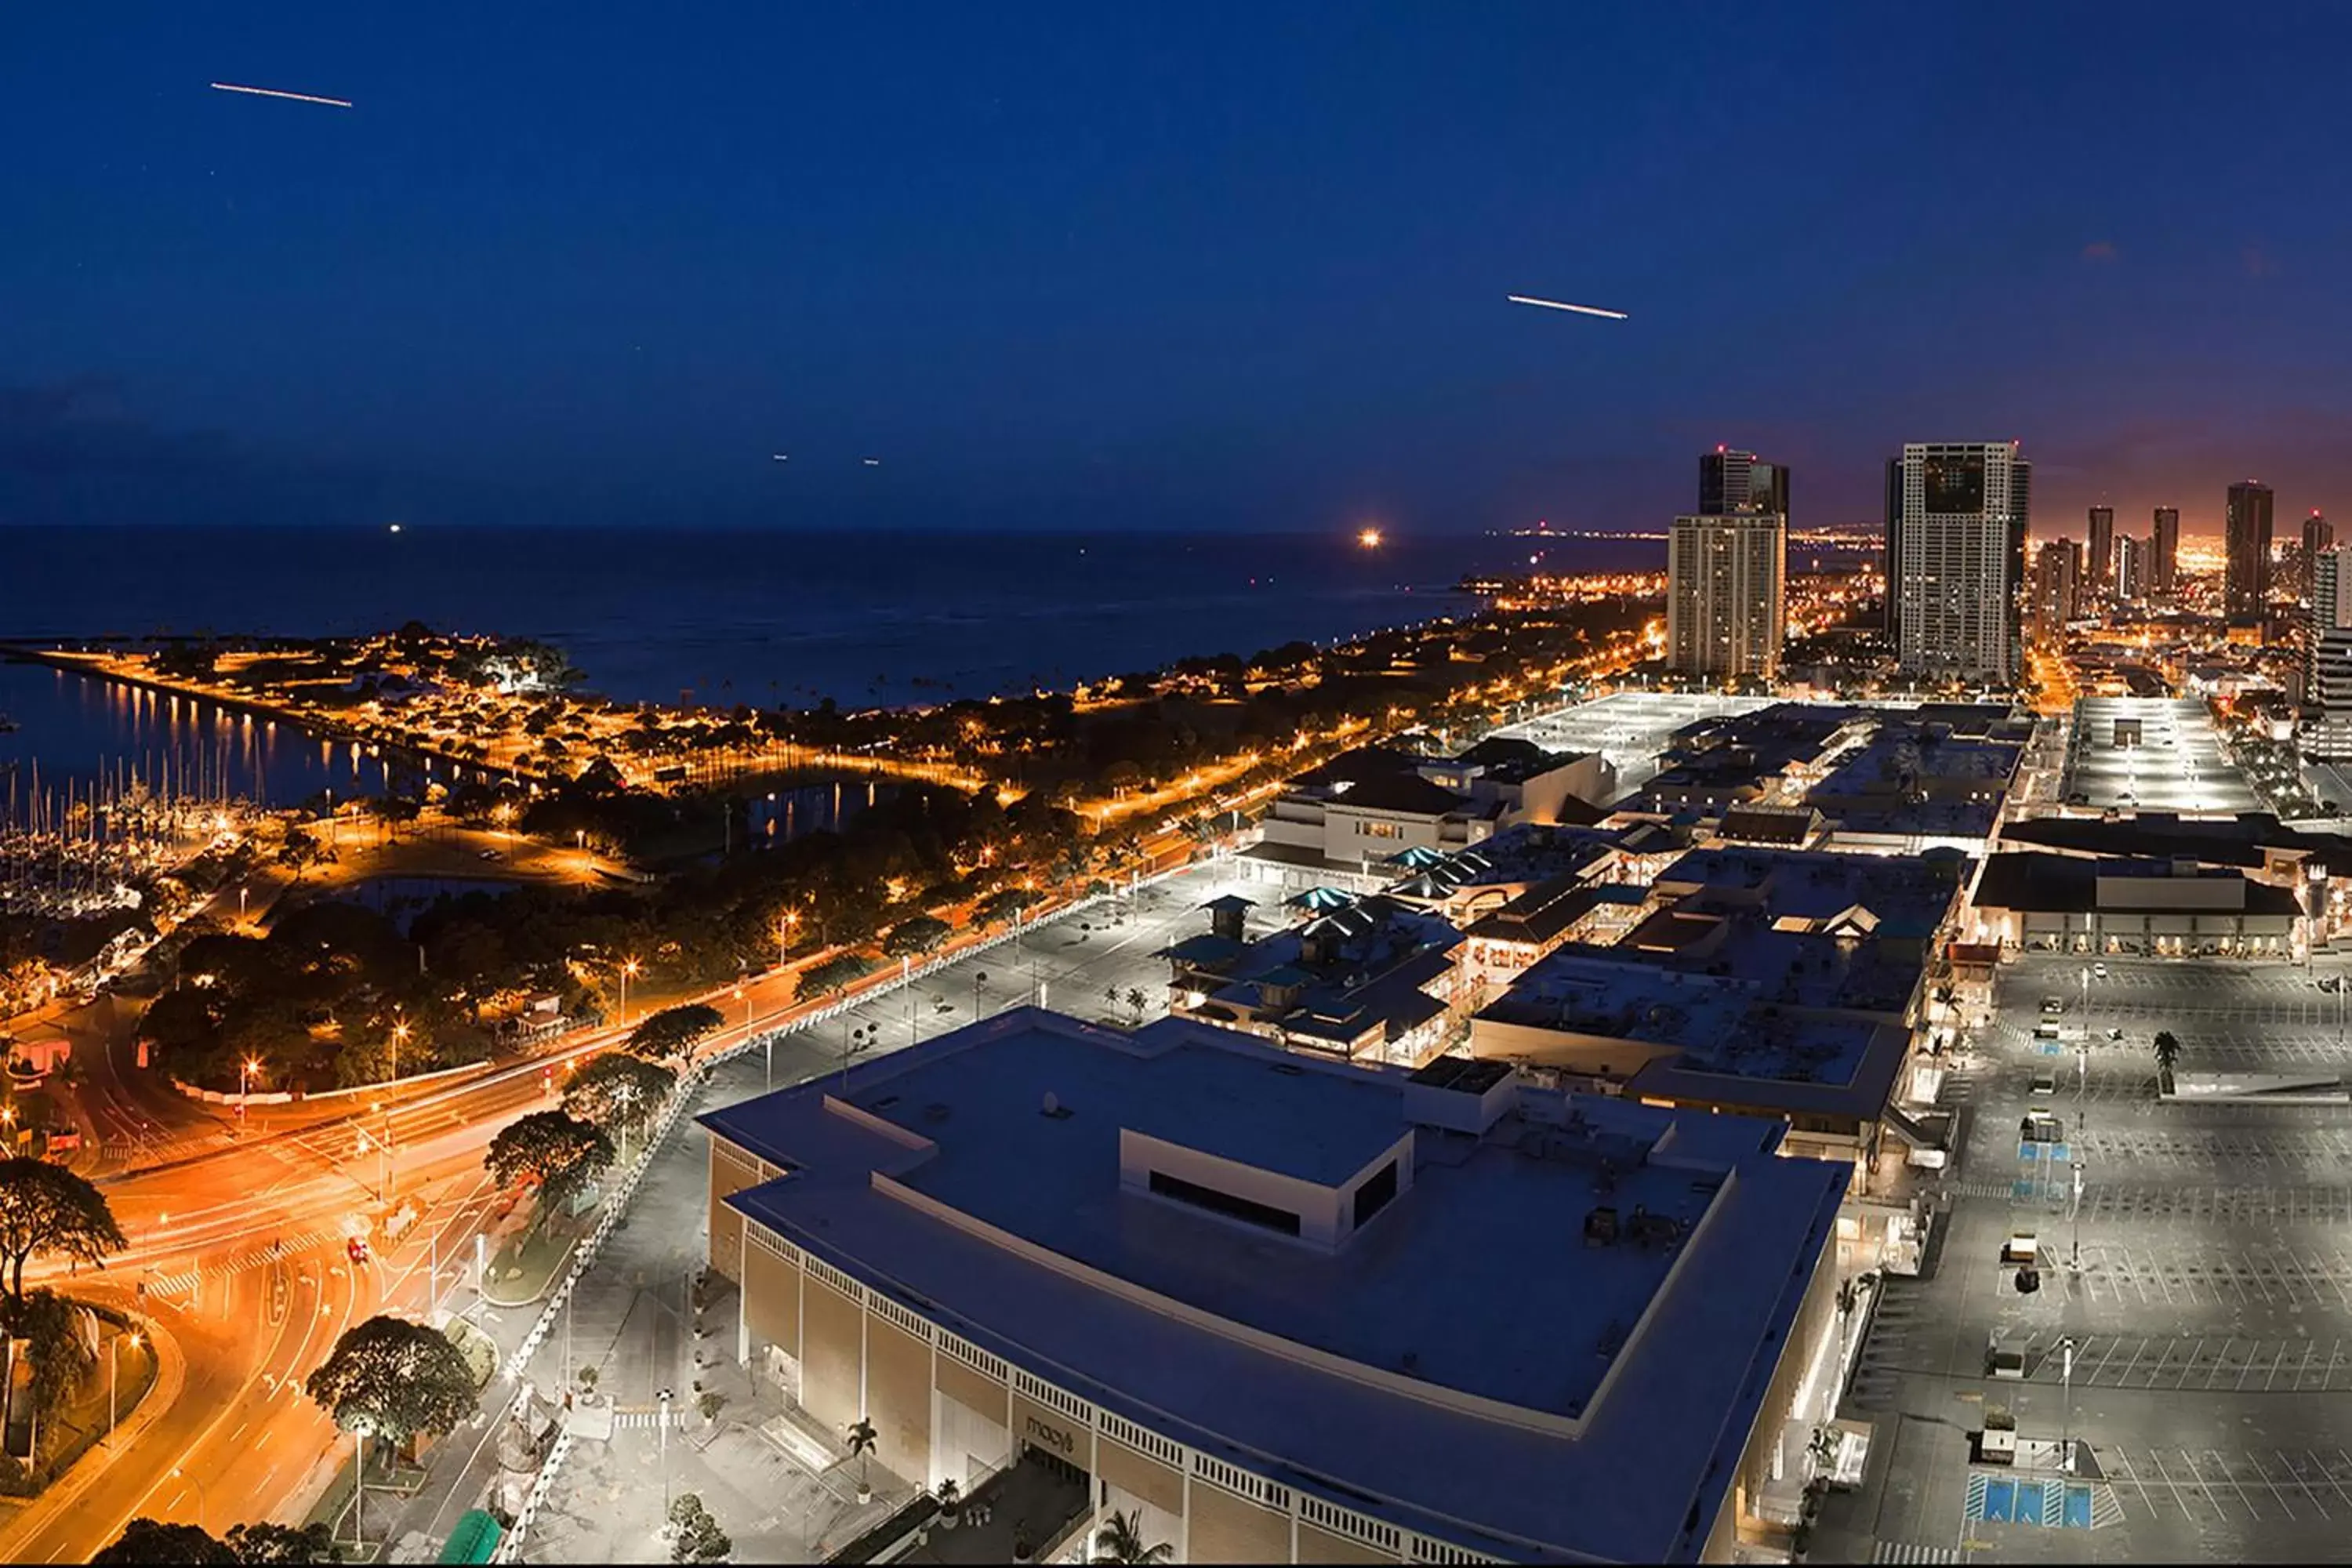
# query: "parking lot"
2150 1275
2230 1206
2211 1306
2210 1363
2241 1486
2205 1150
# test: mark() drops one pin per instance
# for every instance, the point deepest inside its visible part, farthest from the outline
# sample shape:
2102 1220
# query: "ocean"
764 619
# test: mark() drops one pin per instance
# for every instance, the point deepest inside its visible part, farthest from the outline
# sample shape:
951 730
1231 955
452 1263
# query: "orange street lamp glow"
1370 539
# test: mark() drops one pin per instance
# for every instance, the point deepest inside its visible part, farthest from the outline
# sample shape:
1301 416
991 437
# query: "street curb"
170 1379
546 1282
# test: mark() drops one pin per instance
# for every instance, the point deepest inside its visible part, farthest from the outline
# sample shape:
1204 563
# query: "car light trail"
1558 305
273 92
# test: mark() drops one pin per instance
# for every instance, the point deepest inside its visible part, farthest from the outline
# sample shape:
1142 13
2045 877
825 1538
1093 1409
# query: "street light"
2074 1218
625 1094
114 1360
2066 1419
665 1398
245 1071
203 1507
399 1037
628 972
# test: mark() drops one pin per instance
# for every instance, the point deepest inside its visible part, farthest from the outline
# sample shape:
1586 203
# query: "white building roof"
1463 1365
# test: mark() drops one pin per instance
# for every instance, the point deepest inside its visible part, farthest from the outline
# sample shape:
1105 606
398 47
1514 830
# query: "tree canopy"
267 1543
695 1536
152 1541
392 1378
916 936
835 974
672 1034
1002 905
562 1152
618 1090
45 1209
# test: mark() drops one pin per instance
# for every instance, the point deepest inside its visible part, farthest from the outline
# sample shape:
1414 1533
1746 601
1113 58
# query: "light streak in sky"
1557 305
273 92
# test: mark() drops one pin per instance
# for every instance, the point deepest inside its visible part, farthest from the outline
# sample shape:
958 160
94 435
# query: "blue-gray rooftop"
1475 1280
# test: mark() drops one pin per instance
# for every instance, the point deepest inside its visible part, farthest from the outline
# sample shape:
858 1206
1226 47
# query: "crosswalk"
259 1256
154 1152
647 1420
1913 1552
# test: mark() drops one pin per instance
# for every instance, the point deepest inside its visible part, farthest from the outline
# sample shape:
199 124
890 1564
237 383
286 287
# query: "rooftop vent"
1054 1107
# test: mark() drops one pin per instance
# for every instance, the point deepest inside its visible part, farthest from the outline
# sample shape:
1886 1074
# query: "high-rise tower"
2166 542
2099 559
1727 594
1960 560
2246 538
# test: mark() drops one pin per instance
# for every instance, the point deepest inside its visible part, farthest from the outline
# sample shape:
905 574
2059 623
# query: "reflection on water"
77 729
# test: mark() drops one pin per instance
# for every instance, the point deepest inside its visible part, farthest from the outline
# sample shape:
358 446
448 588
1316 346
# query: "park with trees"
332 994
66 1401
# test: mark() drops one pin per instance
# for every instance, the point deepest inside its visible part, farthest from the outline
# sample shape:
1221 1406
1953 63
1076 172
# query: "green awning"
476 1538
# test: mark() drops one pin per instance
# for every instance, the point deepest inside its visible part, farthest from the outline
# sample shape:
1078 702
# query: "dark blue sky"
1212 266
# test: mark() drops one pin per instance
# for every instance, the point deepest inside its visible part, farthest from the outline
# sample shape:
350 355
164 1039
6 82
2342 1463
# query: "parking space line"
2324 1474
2256 1461
2179 1499
2230 1477
2130 1477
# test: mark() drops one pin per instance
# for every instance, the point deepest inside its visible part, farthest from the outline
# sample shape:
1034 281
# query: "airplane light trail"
1556 305
273 92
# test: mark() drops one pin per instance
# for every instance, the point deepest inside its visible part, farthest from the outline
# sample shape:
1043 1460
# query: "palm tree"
1138 1001
2167 1051
861 1443
1119 1539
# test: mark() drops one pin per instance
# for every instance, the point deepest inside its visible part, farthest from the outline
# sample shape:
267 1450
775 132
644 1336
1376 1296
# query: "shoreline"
54 658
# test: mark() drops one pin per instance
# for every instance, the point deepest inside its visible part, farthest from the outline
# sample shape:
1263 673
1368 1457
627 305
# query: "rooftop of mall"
1444 1297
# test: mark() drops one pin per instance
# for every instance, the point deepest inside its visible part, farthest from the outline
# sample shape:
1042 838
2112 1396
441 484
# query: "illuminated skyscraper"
1961 555
1726 594
2099 559
2165 541
2246 539
2057 590
1732 481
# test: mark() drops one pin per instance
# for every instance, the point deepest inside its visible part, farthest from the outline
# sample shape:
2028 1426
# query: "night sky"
1214 266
